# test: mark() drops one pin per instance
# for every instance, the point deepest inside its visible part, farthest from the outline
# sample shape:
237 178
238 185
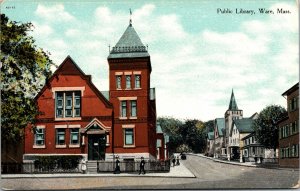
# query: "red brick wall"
145 126
292 139
92 106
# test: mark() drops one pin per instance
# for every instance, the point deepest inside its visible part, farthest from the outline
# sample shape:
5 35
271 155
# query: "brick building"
77 119
289 130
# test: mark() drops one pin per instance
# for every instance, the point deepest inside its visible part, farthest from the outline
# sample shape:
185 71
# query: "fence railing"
28 168
134 166
102 166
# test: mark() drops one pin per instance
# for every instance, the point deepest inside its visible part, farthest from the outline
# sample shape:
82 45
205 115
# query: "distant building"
240 129
232 113
289 130
162 141
219 138
210 144
252 149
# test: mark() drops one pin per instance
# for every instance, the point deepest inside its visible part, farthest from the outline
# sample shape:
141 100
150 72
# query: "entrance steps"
91 167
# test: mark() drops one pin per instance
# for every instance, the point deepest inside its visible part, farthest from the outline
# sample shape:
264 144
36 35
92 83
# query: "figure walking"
173 161
177 161
142 166
117 168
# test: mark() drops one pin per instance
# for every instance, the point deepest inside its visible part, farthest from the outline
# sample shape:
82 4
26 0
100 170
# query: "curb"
226 162
242 164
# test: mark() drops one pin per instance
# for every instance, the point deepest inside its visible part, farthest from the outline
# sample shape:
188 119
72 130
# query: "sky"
198 54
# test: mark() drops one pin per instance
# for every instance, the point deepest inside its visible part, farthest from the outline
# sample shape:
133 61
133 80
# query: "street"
209 175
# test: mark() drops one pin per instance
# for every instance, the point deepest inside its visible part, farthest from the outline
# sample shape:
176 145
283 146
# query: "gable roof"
159 129
69 67
291 90
243 125
129 46
220 125
232 104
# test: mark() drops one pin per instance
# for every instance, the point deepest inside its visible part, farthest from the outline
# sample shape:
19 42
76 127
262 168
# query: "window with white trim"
60 136
74 136
68 104
137 81
128 136
123 109
133 110
39 139
128 81
118 81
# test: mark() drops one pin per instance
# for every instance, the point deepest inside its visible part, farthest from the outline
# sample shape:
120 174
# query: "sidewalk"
248 164
175 172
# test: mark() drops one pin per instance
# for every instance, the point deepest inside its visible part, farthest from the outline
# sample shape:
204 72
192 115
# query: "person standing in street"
142 166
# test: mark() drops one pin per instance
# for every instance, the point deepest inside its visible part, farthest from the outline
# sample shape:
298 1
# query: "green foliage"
265 126
209 125
171 126
186 136
52 162
24 70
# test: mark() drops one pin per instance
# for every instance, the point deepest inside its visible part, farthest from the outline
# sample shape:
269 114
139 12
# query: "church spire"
232 104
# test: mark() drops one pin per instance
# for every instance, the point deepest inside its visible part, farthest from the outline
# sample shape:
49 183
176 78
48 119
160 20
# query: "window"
39 136
68 104
60 136
133 108
137 81
293 103
128 82
123 108
118 82
74 136
129 138
246 153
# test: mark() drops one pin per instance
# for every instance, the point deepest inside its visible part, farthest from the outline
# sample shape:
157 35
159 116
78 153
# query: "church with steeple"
232 113
230 131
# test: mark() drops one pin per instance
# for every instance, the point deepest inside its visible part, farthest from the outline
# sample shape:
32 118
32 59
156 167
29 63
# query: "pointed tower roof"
129 45
232 104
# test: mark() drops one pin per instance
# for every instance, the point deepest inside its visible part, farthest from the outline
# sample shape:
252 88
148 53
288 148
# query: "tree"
209 125
171 127
24 71
266 128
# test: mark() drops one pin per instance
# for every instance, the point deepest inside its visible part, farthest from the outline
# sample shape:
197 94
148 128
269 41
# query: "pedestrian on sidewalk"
173 161
142 166
117 168
177 161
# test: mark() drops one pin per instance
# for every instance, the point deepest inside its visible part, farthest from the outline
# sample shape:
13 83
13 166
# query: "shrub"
52 162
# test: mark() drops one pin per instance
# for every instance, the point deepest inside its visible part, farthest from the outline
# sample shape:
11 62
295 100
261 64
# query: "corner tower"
232 113
132 98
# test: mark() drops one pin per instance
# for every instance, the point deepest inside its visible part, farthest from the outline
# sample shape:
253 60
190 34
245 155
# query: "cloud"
55 13
42 30
193 72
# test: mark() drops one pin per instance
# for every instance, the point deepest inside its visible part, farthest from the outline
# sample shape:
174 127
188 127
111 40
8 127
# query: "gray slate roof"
105 94
158 128
220 125
232 104
129 45
243 125
210 135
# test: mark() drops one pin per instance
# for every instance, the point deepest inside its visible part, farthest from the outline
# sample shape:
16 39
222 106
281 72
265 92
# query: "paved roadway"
209 175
